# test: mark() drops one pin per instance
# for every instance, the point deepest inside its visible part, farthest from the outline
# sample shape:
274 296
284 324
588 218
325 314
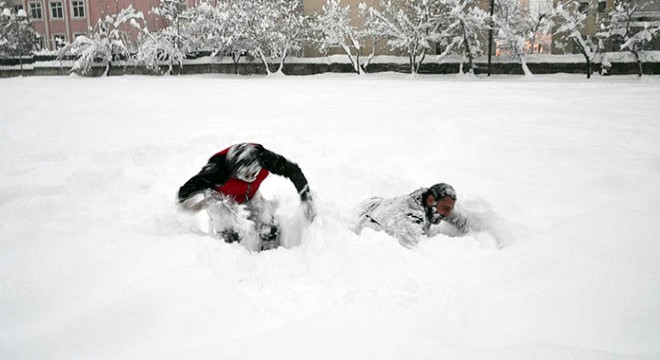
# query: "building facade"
60 21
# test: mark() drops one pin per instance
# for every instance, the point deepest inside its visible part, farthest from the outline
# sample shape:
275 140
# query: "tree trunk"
468 50
421 60
265 61
281 67
347 50
357 47
366 63
523 64
466 54
588 66
639 62
235 59
583 50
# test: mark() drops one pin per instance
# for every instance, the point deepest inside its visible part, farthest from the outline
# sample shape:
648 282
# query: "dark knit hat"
439 191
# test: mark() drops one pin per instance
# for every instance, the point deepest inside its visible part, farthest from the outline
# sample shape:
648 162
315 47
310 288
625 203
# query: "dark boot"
229 236
270 237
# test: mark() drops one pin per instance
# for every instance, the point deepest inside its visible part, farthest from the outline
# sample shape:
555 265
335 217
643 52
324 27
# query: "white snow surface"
96 262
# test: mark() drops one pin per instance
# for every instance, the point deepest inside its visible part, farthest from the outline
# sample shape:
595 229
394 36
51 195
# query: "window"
17 7
59 40
36 11
40 43
602 6
78 8
56 10
584 7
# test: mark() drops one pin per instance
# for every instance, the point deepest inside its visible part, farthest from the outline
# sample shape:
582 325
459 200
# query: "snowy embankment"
96 262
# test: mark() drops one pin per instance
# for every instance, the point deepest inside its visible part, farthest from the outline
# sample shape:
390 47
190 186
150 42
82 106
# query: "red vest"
239 190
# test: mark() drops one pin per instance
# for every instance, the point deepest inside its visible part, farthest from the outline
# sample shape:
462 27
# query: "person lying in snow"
227 187
408 217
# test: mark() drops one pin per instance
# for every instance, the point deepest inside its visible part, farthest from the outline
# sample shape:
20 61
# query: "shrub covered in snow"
107 42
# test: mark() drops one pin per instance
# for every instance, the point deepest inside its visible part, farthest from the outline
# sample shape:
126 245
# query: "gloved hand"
200 201
308 209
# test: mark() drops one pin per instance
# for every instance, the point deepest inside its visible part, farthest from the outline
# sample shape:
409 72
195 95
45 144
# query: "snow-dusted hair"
242 154
439 191
243 160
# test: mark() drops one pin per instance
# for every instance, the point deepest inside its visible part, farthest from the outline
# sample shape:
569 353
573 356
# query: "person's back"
401 217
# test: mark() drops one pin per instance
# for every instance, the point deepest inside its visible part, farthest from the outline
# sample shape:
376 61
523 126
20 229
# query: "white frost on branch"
106 42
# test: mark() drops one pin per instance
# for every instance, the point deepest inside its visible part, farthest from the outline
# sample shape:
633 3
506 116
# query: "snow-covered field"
97 263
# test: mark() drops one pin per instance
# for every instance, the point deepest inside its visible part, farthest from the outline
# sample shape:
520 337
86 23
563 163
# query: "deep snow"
96 262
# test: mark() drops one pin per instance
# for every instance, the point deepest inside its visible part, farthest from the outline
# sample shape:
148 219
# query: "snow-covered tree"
631 34
333 28
276 28
160 47
517 29
169 43
407 25
199 26
172 12
203 29
232 22
17 37
511 35
223 29
460 29
265 29
538 22
106 42
293 30
570 21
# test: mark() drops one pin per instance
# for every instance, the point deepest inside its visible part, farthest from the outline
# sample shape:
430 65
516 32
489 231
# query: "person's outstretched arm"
279 165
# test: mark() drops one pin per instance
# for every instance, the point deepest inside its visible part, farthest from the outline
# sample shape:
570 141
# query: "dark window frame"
36 8
78 7
583 7
59 9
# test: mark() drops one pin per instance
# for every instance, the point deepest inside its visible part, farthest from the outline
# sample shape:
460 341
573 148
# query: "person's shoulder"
260 149
264 153
219 158
417 193
414 199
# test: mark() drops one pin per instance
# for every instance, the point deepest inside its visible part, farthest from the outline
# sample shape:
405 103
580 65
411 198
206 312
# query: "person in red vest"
227 187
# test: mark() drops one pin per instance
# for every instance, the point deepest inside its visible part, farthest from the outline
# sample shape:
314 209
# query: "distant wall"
47 66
